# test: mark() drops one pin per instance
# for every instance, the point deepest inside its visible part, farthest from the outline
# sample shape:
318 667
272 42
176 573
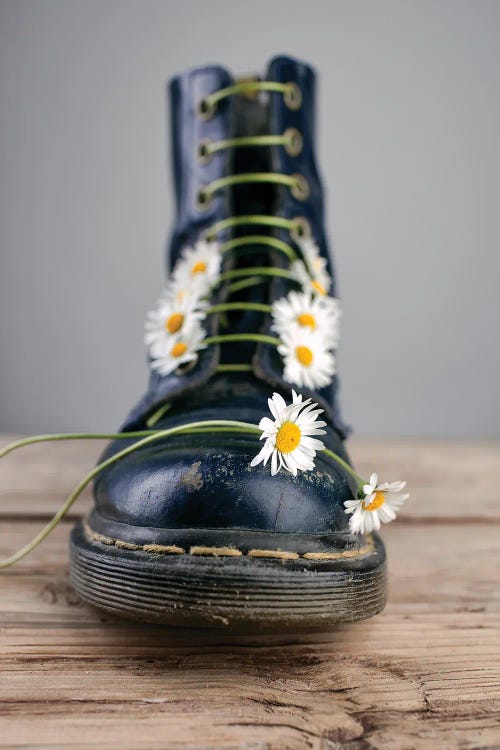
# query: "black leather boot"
191 530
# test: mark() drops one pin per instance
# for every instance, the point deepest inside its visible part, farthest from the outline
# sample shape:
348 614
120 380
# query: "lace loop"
250 220
238 273
291 140
292 95
260 239
296 182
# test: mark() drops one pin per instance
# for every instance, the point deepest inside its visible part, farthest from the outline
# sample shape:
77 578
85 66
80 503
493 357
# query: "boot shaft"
196 125
245 176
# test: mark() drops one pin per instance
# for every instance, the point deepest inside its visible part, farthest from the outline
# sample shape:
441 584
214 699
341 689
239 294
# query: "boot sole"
224 588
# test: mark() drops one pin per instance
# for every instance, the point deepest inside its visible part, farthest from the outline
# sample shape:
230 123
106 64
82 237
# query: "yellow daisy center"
304 355
288 437
319 287
178 349
199 267
174 322
305 319
377 501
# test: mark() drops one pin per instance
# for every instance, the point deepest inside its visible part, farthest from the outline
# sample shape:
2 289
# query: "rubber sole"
248 594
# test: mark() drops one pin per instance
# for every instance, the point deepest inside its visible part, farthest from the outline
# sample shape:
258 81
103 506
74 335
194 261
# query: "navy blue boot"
190 530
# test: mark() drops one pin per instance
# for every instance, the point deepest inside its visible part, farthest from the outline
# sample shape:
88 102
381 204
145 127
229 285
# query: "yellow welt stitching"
335 555
216 551
98 537
348 553
163 549
278 554
126 545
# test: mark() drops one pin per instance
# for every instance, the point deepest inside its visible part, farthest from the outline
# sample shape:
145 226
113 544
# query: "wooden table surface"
424 674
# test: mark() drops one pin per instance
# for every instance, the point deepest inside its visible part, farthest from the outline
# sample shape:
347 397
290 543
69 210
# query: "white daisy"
315 263
179 349
182 292
379 504
176 310
289 439
307 361
309 312
198 267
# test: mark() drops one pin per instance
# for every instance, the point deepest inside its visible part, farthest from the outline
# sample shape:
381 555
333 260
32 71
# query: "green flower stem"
234 368
230 306
260 239
72 436
211 430
360 481
229 337
250 219
158 414
256 271
214 425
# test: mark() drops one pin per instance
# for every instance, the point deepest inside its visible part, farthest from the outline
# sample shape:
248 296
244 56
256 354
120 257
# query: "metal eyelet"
295 141
208 236
300 190
203 154
292 96
206 109
203 200
301 229
187 367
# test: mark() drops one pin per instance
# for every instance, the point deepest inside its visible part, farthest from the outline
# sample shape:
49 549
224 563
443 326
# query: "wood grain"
424 674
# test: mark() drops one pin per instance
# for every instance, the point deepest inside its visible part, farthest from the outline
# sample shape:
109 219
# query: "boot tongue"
249 118
250 113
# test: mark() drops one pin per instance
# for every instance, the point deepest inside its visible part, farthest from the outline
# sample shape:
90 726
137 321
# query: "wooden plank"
35 480
424 675
207 700
358 686
447 479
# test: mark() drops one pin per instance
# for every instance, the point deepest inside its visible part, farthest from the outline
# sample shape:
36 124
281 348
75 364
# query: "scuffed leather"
198 482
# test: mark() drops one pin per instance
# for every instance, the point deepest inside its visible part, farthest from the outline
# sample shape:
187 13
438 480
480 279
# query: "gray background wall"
409 146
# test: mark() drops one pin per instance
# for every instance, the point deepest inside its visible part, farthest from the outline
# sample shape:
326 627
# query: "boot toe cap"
200 481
